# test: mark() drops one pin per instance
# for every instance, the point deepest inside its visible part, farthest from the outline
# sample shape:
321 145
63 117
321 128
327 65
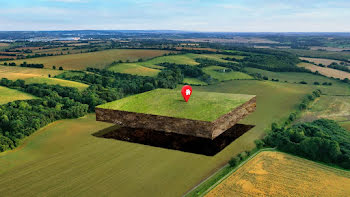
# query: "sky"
189 15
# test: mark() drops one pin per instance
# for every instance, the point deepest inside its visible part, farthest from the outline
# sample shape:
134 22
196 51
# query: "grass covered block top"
204 106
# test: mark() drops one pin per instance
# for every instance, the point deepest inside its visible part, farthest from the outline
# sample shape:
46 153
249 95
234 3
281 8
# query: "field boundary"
227 175
230 172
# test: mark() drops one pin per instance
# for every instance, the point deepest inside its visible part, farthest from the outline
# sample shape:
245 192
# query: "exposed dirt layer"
175 141
182 126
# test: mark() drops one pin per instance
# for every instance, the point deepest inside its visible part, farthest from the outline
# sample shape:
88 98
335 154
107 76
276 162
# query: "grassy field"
65 159
323 61
331 107
224 76
189 59
14 72
205 106
319 54
193 81
134 69
98 59
56 81
337 88
36 75
280 174
8 95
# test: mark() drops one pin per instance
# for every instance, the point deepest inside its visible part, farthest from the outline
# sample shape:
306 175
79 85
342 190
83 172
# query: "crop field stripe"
188 194
323 165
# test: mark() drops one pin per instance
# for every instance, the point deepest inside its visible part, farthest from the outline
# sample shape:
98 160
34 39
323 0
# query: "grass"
329 72
14 72
65 159
338 88
320 54
280 174
188 59
56 81
204 106
330 107
224 76
8 95
99 59
193 81
134 69
345 125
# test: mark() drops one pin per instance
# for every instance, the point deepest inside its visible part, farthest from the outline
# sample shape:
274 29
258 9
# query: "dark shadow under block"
175 141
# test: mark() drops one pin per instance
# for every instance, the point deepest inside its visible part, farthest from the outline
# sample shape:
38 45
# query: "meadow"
224 76
135 69
36 75
65 159
16 72
56 81
193 81
8 95
281 174
99 59
330 107
140 68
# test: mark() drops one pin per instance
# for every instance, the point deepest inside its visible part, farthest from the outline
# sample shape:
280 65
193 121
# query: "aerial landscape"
174 98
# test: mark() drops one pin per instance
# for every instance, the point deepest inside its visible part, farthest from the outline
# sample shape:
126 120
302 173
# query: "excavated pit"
175 141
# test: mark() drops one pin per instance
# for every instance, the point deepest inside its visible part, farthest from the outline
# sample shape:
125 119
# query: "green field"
214 72
65 159
193 81
337 88
320 54
134 69
8 95
330 107
139 67
205 106
56 81
99 59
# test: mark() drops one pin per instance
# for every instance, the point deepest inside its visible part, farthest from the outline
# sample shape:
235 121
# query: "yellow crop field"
323 61
99 59
329 72
281 174
8 95
37 75
14 72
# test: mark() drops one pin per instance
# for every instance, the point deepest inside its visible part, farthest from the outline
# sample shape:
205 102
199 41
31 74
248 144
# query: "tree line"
19 119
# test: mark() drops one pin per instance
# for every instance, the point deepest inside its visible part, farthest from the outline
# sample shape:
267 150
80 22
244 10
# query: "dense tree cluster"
322 140
24 64
189 71
126 83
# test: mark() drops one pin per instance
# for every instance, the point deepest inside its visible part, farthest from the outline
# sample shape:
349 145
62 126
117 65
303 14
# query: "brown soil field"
329 72
280 174
325 62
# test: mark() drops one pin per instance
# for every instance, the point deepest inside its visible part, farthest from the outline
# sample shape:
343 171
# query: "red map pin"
186 92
